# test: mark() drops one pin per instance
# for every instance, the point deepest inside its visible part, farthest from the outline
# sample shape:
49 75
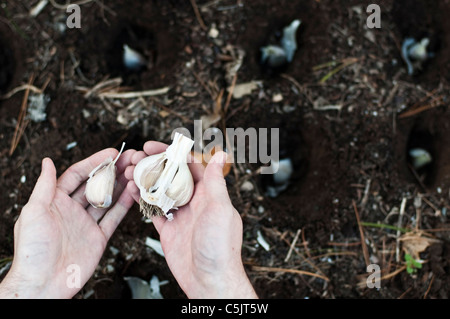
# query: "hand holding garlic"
58 228
202 244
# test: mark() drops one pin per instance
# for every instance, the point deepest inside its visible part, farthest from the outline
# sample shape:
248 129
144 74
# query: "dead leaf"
416 242
244 89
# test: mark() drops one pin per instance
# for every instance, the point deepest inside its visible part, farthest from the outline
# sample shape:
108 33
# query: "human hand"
58 228
202 244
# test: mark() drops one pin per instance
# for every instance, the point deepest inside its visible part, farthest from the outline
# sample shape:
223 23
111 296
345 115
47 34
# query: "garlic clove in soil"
101 182
164 180
277 56
281 177
273 55
413 50
420 157
288 41
132 59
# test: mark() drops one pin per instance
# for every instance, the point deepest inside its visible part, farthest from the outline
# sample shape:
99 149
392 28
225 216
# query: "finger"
44 190
134 191
197 171
78 173
137 157
115 215
153 147
213 178
129 171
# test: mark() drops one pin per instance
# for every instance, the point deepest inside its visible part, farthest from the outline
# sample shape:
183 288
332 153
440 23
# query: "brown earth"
355 152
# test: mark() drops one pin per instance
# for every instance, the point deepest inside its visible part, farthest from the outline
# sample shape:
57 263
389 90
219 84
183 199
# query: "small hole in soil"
139 39
419 147
7 66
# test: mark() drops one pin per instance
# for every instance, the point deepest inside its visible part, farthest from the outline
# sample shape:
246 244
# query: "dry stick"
230 94
198 16
433 103
21 88
399 224
429 287
132 95
361 232
292 271
20 127
292 245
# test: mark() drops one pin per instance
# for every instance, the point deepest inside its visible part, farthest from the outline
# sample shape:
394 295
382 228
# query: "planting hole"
138 39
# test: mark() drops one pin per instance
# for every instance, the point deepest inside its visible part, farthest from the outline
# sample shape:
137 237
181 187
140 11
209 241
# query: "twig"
433 103
21 88
20 127
230 94
132 95
286 270
34 12
292 245
99 87
361 232
198 16
399 224
429 287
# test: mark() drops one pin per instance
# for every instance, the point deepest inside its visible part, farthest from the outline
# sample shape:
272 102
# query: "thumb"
44 190
214 179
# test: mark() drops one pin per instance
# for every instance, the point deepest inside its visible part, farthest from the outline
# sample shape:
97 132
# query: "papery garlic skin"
101 182
164 180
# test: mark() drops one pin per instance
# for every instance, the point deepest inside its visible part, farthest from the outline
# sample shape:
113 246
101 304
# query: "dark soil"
354 155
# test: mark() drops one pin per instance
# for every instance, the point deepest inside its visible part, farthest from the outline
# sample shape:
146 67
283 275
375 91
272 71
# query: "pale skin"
58 228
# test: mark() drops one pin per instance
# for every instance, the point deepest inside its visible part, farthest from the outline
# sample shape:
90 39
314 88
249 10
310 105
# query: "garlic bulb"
164 180
101 182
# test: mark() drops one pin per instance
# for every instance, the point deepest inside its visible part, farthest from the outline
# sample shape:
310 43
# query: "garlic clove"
101 182
274 56
289 42
182 186
148 170
132 59
420 157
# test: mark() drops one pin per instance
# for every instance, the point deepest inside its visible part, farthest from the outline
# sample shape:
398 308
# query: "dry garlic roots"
164 180
101 182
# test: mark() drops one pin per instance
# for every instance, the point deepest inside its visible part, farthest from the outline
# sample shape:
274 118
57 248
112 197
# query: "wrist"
15 286
230 285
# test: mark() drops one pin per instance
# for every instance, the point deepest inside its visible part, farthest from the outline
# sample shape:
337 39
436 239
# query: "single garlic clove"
101 182
148 170
182 186
132 59
100 186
